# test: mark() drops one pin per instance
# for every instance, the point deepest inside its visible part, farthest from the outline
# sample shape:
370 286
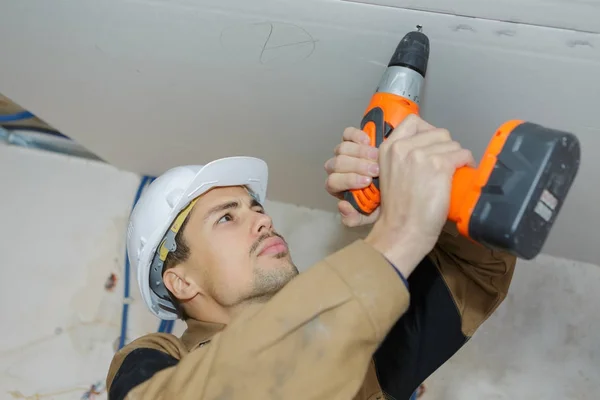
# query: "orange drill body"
511 201
468 182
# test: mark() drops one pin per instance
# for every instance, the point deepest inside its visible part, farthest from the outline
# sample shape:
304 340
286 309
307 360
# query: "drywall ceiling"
148 85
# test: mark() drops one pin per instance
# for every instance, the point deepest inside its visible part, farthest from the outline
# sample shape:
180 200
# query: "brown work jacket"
347 328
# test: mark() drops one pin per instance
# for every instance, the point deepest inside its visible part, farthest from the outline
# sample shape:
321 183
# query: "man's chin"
271 277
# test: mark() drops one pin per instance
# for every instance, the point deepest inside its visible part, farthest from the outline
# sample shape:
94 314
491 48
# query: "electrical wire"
16 116
165 325
96 389
169 327
125 311
52 132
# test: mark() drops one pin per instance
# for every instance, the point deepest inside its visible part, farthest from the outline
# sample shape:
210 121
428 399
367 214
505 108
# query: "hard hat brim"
232 171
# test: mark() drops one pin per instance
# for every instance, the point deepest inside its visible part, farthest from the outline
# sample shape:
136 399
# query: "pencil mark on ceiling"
506 32
262 52
307 39
575 43
463 27
269 43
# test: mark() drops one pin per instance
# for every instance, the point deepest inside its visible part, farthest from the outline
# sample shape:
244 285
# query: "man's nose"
262 223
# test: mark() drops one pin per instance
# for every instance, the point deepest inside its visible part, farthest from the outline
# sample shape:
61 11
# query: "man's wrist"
404 250
400 274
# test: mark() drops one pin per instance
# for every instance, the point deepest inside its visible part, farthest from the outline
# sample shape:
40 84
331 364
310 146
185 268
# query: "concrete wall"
63 222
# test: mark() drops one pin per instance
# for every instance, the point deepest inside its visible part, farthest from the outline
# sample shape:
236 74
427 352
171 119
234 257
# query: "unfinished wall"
63 222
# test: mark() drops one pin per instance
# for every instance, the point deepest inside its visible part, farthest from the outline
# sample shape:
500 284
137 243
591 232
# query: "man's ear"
178 283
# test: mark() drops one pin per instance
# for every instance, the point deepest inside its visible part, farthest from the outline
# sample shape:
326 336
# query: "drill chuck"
405 74
412 52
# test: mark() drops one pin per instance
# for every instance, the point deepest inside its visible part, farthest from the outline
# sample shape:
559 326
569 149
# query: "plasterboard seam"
470 16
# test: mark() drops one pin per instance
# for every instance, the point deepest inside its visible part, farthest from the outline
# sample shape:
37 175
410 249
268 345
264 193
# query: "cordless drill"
511 201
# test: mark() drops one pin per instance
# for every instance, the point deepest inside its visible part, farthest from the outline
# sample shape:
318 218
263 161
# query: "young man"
371 321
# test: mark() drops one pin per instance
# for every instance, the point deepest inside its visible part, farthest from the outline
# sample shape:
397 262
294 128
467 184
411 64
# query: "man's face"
235 253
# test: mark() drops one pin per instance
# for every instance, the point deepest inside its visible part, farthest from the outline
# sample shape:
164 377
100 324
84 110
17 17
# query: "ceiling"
148 85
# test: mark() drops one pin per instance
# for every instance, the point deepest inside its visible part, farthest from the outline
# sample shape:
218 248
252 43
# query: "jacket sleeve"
453 291
478 278
334 316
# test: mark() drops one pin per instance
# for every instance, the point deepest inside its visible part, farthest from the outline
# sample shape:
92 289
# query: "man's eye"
225 218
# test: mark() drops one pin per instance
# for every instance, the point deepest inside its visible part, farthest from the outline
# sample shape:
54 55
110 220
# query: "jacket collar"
199 332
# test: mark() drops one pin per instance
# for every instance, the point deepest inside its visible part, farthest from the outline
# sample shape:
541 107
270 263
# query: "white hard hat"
154 220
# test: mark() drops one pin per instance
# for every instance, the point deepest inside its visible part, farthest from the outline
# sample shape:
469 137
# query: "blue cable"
16 117
143 183
37 129
166 326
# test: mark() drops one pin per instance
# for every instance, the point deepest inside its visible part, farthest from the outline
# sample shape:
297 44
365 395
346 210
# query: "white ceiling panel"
148 85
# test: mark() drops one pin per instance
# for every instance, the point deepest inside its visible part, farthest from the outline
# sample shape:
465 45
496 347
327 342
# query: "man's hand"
353 166
417 163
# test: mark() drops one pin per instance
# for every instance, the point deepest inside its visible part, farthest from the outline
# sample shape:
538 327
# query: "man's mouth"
271 246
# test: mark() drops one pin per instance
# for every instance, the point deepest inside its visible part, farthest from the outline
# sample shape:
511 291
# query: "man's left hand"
353 166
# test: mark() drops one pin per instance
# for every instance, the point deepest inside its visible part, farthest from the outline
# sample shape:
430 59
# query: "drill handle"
373 123
385 112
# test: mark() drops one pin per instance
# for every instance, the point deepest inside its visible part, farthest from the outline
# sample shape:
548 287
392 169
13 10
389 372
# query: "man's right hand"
417 163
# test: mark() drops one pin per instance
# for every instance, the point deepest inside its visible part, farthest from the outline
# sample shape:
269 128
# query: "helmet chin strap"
166 246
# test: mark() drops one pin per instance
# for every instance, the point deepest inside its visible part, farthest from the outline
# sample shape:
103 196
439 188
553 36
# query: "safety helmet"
162 208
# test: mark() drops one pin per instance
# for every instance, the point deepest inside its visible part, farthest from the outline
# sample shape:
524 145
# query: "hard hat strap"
166 246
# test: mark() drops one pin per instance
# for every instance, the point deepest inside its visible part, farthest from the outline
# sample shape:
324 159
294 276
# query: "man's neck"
237 310
208 310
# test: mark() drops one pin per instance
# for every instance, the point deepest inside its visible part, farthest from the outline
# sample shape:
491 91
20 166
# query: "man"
371 321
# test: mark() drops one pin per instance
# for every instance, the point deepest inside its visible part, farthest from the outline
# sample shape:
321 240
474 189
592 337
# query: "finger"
336 183
357 150
460 158
431 137
410 126
352 218
448 147
444 147
419 143
355 135
345 164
